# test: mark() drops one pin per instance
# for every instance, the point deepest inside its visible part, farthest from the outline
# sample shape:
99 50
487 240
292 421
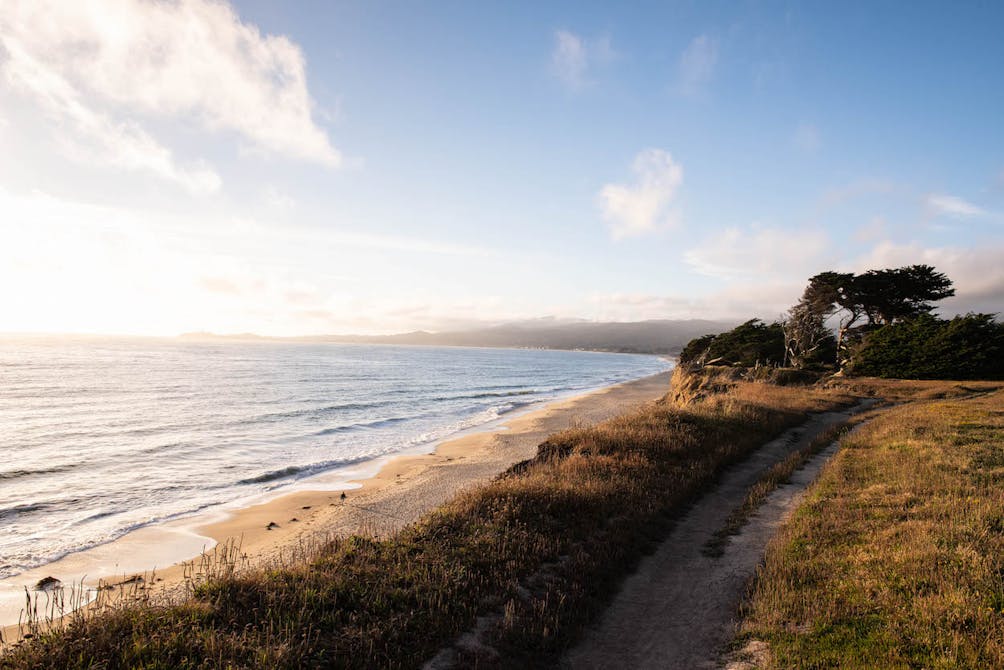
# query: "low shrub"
926 347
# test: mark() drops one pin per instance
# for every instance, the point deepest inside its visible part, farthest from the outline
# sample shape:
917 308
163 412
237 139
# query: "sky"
291 168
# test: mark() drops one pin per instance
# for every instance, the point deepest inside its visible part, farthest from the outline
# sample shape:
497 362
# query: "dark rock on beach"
47 583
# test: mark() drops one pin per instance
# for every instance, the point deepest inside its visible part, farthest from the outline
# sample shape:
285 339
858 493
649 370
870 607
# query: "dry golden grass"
896 558
902 390
535 554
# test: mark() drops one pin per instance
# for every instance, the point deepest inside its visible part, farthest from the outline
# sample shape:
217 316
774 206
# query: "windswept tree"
697 353
888 296
749 344
806 337
828 294
859 304
874 298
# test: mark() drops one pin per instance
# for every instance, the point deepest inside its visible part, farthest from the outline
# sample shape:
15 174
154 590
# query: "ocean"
100 437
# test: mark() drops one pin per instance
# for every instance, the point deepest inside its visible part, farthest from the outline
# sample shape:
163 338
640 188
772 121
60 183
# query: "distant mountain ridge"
664 336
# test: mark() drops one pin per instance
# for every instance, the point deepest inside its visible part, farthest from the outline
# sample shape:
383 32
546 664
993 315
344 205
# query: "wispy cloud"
140 271
407 244
643 207
775 279
697 65
619 306
220 285
860 188
277 199
100 69
569 59
950 205
876 228
737 301
93 136
759 252
574 58
977 272
807 138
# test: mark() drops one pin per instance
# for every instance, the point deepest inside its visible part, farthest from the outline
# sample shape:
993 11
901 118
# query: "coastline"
387 494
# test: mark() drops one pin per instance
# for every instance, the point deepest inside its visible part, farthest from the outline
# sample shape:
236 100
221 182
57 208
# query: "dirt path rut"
679 608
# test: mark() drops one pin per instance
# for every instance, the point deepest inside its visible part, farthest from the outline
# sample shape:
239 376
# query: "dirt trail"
679 608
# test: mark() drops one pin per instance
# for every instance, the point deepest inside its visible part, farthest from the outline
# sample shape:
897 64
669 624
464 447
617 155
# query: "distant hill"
649 337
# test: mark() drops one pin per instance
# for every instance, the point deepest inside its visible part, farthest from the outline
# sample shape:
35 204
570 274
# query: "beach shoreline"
387 494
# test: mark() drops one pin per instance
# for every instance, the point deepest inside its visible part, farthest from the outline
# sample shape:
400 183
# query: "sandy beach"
400 491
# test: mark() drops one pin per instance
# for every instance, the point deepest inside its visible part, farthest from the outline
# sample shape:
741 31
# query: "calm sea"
101 437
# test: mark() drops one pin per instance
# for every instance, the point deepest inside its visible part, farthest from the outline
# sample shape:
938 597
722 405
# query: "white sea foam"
102 437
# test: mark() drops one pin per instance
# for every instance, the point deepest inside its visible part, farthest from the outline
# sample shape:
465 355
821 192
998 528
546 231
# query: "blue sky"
290 168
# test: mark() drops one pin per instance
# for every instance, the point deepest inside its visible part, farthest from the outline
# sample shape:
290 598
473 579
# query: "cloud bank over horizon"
228 166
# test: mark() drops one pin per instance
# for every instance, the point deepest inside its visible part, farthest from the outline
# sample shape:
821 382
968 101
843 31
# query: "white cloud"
220 285
95 137
278 200
767 300
98 68
807 137
697 64
876 228
738 301
759 252
641 306
950 205
406 244
573 57
978 273
82 267
642 207
569 58
860 188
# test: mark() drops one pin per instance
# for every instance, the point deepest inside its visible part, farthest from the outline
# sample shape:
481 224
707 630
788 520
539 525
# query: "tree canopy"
749 344
925 347
862 302
884 328
881 296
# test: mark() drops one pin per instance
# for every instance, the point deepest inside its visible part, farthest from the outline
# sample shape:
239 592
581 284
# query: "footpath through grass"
535 554
896 558
770 480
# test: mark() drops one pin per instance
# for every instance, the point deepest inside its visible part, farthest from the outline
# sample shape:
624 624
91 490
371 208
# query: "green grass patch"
896 558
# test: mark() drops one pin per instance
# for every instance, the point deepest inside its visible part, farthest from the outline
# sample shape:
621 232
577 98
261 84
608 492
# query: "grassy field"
896 557
527 559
